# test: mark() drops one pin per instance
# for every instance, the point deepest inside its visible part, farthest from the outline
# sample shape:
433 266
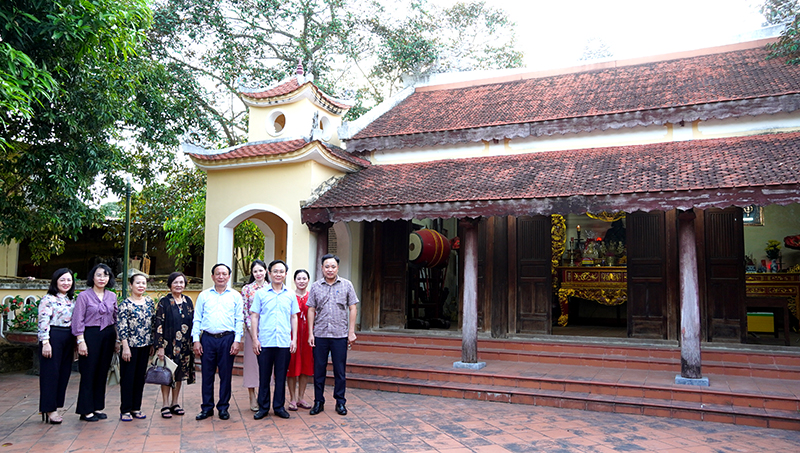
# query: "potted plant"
22 321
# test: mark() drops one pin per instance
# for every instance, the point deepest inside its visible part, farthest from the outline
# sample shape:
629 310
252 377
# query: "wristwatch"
81 341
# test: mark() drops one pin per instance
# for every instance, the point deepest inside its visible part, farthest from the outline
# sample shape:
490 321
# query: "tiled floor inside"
378 422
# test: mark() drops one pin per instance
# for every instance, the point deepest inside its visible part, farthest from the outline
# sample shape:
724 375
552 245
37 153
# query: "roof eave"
577 204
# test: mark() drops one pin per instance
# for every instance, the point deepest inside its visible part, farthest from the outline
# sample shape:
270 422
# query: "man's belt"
218 335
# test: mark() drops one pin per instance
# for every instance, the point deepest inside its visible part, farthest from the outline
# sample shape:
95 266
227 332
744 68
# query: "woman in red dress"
302 361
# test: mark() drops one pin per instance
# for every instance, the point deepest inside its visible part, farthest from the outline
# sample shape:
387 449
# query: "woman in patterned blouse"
173 339
258 275
57 344
135 326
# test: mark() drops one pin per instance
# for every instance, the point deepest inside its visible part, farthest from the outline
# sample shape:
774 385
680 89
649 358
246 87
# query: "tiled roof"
286 87
655 170
736 75
290 85
258 149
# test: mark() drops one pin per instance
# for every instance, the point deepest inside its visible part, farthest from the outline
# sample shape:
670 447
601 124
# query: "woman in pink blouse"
258 276
57 344
93 322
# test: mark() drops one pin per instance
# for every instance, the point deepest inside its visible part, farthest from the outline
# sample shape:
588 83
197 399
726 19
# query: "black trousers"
131 385
277 360
216 354
54 372
94 369
337 347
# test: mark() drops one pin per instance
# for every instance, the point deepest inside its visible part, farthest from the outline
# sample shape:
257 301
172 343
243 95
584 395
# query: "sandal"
303 404
292 406
177 410
166 412
138 415
126 417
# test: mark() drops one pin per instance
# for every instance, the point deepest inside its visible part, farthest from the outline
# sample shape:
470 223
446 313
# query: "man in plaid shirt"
332 313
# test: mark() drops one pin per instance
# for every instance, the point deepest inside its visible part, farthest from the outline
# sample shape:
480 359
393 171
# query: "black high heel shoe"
46 419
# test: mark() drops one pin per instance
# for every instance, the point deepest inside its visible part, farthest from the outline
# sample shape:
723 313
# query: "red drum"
428 248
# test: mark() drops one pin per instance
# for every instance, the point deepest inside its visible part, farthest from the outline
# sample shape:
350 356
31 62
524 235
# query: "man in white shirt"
217 332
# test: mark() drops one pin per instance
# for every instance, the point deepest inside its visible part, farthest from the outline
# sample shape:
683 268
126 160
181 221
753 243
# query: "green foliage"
778 11
154 204
186 214
215 46
96 106
248 242
466 36
185 204
788 12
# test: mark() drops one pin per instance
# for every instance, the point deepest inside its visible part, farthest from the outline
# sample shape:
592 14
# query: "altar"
608 285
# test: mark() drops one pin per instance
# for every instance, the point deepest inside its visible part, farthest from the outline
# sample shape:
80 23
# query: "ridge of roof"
272 148
291 85
722 77
604 64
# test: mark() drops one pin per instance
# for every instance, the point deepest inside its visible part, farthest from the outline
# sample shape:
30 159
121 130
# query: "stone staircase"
749 386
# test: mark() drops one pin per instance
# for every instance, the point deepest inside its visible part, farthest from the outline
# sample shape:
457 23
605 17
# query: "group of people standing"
286 335
100 327
281 338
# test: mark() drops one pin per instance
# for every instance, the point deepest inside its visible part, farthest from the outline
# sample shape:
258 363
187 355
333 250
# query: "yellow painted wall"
9 256
282 186
298 116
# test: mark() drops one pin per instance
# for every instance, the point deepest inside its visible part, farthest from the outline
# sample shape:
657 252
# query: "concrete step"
763 364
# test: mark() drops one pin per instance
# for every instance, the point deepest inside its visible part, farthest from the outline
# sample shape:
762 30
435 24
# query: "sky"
554 33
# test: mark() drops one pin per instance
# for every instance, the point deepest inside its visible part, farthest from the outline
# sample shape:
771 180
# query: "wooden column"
320 230
690 303
469 326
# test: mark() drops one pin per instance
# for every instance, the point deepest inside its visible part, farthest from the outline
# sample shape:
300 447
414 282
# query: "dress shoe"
280 412
340 409
260 414
318 407
224 415
204 415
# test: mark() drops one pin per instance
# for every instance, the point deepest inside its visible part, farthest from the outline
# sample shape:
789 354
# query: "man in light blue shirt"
217 332
273 328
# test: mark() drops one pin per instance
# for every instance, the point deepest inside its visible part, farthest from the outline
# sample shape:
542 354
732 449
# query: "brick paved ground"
377 422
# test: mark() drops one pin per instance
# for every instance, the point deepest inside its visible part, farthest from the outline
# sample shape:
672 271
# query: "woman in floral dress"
57 344
135 328
173 339
258 279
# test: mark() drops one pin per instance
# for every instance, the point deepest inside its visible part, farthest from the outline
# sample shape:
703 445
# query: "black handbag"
157 374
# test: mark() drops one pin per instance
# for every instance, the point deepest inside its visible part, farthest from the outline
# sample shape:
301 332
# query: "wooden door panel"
394 261
724 260
647 274
534 291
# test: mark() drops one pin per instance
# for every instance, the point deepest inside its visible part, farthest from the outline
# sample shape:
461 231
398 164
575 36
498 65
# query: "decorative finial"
299 67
